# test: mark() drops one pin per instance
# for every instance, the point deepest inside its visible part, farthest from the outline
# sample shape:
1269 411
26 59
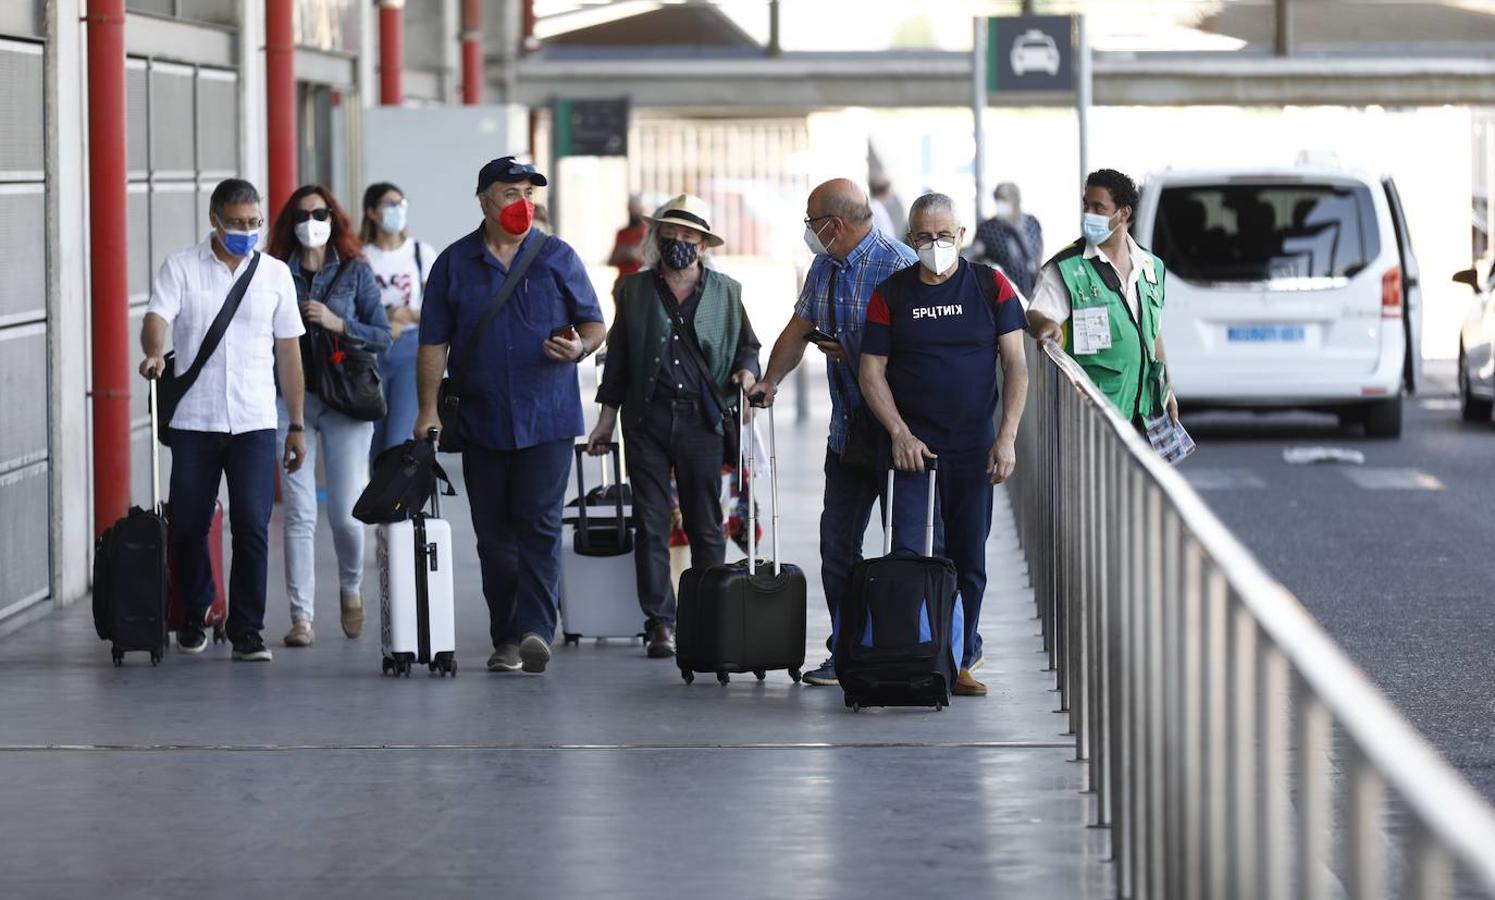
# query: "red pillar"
280 104
472 52
109 264
391 52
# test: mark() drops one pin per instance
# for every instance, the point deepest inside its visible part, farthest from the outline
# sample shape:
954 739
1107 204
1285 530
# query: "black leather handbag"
346 378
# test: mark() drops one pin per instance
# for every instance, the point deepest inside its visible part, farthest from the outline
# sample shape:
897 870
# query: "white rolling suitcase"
415 593
599 590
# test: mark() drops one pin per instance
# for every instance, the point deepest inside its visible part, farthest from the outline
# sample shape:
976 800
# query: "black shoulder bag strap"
511 284
214 337
420 269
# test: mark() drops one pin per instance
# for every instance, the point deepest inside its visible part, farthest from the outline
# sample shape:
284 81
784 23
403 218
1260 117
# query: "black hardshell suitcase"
898 624
130 584
747 616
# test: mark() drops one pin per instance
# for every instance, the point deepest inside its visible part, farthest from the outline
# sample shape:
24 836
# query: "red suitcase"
218 612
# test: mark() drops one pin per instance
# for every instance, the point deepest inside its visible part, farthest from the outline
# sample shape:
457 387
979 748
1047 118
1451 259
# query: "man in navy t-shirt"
935 334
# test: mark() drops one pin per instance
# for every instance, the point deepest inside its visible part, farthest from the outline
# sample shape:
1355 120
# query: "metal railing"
1234 750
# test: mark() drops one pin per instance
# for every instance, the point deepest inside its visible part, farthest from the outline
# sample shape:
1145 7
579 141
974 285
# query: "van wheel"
1383 419
1471 408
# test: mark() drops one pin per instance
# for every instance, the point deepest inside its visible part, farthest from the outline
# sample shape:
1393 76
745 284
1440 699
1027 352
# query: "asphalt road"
1395 557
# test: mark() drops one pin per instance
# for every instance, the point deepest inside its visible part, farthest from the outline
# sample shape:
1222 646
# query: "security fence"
1234 750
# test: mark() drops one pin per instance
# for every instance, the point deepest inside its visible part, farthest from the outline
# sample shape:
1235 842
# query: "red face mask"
517 217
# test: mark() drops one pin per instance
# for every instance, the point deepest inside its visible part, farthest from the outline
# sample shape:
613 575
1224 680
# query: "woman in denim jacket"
338 292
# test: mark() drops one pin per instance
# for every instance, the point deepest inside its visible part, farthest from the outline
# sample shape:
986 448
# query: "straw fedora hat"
690 212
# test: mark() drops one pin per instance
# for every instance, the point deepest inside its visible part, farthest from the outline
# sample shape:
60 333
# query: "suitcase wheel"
219 637
155 657
794 675
572 640
386 666
723 677
855 707
119 658
760 674
688 676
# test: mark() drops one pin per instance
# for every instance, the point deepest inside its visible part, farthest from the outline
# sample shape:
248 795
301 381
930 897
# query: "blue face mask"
240 243
392 219
1097 228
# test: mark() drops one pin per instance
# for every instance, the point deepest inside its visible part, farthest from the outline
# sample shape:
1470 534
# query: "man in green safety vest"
1102 299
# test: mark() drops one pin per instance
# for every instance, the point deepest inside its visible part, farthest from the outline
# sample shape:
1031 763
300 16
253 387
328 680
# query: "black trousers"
675 435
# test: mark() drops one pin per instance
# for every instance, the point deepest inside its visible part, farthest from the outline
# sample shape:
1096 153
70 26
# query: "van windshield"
1245 232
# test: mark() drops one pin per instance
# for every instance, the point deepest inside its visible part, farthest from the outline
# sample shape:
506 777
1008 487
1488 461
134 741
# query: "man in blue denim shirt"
851 259
521 403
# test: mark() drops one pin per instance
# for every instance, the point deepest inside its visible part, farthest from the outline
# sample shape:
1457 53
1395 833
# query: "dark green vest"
717 323
1127 372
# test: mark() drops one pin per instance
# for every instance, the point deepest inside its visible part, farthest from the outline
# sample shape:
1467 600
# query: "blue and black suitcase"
901 626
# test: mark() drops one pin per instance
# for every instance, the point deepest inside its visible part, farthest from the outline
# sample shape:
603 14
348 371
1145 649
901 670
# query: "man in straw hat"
680 346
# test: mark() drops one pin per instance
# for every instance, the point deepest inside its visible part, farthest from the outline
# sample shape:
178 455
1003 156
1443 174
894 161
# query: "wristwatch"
293 427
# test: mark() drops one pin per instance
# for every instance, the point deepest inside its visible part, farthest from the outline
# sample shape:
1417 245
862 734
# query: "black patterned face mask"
677 254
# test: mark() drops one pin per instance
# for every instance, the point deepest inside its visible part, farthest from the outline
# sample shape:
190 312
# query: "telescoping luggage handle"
745 438
155 446
582 536
887 532
434 435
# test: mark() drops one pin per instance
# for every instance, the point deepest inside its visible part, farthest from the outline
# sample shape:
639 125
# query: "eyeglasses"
301 215
811 220
242 224
394 204
924 240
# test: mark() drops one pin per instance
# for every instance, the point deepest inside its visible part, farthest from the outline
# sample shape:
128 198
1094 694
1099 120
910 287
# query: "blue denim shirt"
513 396
354 298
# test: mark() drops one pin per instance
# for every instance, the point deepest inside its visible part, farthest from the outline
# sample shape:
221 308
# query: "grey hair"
931 203
232 192
853 209
1009 191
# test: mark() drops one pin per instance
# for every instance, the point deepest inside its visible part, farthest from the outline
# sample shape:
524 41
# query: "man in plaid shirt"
851 259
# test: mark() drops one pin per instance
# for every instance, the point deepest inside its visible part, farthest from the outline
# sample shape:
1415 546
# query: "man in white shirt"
224 426
1111 292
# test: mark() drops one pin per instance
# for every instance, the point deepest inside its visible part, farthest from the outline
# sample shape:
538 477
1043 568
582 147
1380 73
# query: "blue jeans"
199 459
343 444
397 368
516 498
849 495
963 504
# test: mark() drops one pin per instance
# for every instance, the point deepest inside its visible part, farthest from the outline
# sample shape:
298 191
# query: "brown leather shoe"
300 635
661 643
967 686
352 609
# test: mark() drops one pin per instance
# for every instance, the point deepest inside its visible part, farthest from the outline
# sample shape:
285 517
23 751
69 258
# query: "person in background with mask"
628 246
1112 289
224 426
1012 240
936 333
401 266
337 293
672 409
521 402
851 258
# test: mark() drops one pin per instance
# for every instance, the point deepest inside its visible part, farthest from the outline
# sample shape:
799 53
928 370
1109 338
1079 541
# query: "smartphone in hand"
565 331
819 337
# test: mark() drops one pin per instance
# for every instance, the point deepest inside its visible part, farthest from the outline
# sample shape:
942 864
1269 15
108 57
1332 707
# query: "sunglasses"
301 215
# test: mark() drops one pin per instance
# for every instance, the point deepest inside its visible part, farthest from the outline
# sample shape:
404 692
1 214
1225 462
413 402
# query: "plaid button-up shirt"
866 266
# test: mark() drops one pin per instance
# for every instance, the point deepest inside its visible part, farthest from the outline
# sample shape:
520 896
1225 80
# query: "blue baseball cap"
509 170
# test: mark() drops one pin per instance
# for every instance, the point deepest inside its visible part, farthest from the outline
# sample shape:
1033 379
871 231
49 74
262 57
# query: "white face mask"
937 256
1005 209
313 234
813 241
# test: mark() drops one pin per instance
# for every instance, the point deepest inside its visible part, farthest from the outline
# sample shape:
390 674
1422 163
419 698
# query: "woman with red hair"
338 295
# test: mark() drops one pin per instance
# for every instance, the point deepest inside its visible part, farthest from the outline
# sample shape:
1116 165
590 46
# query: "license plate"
1264 334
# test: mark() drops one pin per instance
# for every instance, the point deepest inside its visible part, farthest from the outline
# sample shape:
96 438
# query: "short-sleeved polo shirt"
941 345
513 396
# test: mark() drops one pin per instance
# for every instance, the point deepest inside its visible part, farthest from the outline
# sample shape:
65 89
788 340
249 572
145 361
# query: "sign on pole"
591 127
1030 53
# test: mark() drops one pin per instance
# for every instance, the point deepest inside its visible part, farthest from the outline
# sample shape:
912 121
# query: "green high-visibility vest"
1128 372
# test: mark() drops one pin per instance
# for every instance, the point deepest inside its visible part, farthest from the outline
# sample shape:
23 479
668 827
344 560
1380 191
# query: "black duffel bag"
401 481
346 378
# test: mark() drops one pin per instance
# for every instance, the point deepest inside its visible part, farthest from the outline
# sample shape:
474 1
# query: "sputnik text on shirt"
936 312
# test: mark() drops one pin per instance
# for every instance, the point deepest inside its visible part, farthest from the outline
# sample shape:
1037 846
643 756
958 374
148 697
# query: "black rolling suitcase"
129 573
901 625
745 616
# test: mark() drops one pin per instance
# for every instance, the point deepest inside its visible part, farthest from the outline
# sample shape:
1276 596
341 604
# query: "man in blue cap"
520 404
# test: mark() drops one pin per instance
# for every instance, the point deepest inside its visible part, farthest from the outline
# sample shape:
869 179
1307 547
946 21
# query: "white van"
1287 288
